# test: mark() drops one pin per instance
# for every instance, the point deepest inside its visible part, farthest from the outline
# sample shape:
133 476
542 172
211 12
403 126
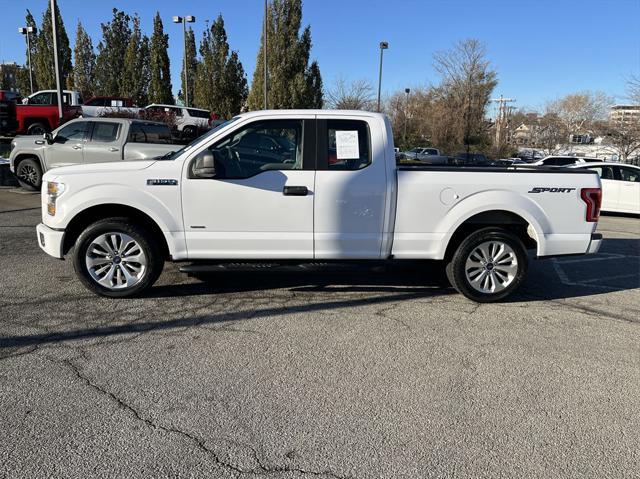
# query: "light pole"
184 20
406 114
264 60
56 62
27 31
383 47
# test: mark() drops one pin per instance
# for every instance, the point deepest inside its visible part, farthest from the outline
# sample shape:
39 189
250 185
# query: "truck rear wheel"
37 129
488 265
29 174
117 258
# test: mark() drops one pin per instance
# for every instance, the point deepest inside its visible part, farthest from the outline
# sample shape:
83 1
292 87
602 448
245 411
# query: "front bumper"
596 242
50 240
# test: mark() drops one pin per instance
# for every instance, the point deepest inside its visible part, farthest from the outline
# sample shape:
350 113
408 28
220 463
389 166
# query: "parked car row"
38 113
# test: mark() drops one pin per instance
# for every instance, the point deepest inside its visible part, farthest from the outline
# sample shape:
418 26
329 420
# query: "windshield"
175 154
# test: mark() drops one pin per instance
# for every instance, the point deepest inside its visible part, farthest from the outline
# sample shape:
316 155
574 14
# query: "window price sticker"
347 144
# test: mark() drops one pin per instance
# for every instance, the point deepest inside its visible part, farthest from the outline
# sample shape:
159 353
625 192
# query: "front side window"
604 172
348 145
72 132
629 174
41 99
260 146
105 132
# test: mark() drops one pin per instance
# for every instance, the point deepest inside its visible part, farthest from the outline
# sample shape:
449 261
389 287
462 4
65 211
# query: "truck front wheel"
488 265
37 129
29 174
117 258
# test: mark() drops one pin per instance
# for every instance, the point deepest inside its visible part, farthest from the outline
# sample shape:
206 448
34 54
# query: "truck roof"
364 113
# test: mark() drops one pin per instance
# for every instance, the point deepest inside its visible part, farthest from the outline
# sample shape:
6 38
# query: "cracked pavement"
330 374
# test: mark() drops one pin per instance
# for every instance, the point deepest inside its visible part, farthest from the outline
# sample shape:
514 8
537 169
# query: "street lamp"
383 47
406 114
27 31
184 20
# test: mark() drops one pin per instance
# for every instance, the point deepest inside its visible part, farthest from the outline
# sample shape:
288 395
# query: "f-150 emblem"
162 182
539 189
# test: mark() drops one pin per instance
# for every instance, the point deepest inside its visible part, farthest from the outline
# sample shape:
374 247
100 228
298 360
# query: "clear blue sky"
541 48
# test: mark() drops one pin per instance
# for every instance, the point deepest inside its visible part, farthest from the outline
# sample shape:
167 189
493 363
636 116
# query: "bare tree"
464 93
580 112
633 87
357 95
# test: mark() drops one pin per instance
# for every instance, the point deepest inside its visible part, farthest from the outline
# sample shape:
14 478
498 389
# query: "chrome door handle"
113 149
77 147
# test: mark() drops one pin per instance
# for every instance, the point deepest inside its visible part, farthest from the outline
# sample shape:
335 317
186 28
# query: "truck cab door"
68 145
240 204
351 190
104 142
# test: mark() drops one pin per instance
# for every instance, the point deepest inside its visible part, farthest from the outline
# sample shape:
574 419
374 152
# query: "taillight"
593 198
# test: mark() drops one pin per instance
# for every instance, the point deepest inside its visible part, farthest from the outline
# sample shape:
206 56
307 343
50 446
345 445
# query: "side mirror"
25 101
205 165
48 137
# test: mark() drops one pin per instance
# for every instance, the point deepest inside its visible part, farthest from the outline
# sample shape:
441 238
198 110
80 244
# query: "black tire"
459 276
151 249
189 133
29 174
37 129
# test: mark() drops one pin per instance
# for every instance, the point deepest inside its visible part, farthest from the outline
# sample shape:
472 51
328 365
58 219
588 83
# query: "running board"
293 266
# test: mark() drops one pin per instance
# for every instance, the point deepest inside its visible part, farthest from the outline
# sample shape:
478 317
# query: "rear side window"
198 113
104 132
150 133
559 161
348 145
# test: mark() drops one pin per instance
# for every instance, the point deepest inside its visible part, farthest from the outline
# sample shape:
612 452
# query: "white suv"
566 160
189 121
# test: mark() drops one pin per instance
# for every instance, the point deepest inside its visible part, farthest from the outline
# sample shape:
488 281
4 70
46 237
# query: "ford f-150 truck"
261 187
87 140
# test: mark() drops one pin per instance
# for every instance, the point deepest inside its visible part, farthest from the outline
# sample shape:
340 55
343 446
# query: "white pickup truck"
309 186
87 140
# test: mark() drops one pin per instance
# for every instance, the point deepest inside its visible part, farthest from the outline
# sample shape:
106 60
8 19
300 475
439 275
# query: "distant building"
8 76
624 114
522 135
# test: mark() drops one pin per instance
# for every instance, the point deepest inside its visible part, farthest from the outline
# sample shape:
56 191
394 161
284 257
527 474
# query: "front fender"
158 204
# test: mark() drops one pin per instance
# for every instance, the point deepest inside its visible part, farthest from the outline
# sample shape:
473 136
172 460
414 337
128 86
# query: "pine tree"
192 66
292 82
135 82
22 77
160 84
43 63
221 84
84 64
111 54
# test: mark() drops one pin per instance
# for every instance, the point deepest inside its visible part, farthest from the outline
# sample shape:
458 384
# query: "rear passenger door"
104 141
629 198
350 190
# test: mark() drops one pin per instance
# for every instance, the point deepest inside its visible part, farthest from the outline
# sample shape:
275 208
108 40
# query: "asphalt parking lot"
329 374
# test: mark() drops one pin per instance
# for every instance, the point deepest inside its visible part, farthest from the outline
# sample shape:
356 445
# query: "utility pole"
54 25
501 120
27 31
383 47
264 54
184 20
406 114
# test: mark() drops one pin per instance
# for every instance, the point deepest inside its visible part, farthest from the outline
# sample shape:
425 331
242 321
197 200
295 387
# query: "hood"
97 168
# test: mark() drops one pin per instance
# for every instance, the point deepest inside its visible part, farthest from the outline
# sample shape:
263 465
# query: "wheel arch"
95 213
527 230
27 156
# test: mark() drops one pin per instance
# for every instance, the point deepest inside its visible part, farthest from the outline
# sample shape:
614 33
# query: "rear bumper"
596 242
50 240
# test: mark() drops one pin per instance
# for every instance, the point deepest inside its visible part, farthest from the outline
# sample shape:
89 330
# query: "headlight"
54 190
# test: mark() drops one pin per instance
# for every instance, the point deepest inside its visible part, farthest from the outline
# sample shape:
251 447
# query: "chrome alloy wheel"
491 267
28 174
116 261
